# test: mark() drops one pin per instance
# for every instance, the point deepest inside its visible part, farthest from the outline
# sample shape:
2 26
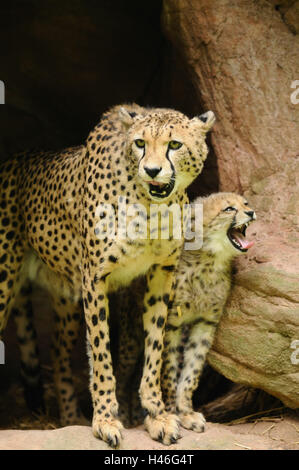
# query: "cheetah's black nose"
250 214
152 172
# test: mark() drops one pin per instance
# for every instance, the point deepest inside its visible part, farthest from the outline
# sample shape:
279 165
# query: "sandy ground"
262 435
22 430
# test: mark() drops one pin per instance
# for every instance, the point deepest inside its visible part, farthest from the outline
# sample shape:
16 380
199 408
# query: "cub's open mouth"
161 190
237 237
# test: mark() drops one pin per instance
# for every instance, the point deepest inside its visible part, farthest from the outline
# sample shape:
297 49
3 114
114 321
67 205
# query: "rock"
242 60
253 344
216 437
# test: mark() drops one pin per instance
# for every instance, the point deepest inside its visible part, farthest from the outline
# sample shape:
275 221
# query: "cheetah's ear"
205 121
126 116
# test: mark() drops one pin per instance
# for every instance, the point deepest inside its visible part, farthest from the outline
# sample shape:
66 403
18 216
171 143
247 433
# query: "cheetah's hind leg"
27 339
68 316
129 355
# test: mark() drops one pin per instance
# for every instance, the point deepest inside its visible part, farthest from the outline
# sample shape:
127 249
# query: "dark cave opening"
64 64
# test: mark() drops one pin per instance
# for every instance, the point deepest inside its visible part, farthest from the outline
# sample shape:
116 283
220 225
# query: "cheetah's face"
226 218
168 150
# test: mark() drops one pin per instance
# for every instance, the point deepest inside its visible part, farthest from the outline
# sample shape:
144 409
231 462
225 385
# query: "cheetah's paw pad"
164 428
194 421
109 430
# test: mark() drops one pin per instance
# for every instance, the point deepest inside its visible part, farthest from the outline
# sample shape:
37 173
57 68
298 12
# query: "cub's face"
167 149
226 217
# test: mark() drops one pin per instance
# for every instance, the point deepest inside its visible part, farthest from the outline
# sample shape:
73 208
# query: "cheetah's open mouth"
161 190
237 237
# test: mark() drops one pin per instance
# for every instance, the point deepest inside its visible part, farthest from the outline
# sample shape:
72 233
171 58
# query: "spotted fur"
202 285
48 217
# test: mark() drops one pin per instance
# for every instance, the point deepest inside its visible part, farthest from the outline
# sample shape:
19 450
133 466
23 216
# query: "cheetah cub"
203 281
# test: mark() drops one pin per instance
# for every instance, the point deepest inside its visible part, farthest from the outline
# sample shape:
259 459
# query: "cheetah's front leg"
197 347
161 425
170 367
105 425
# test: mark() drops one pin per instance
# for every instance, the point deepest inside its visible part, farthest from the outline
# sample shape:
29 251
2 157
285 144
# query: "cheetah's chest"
138 260
199 295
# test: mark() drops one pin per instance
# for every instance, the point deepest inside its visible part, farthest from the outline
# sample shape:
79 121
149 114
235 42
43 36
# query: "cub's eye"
229 209
139 143
245 203
174 145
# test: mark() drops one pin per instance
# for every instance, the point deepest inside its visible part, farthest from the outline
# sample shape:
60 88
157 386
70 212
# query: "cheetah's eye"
139 143
174 145
229 209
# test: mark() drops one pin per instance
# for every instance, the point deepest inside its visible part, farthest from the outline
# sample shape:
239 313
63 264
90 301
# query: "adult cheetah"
50 233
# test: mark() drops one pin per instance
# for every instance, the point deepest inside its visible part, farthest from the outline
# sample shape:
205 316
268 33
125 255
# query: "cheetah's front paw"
193 420
164 428
108 429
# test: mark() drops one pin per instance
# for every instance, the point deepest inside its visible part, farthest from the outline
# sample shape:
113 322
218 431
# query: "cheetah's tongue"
156 183
241 240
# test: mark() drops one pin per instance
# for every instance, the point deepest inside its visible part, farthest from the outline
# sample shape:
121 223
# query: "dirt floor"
270 434
20 429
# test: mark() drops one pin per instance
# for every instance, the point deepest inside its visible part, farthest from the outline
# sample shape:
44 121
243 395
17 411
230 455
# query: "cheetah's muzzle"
161 190
236 236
